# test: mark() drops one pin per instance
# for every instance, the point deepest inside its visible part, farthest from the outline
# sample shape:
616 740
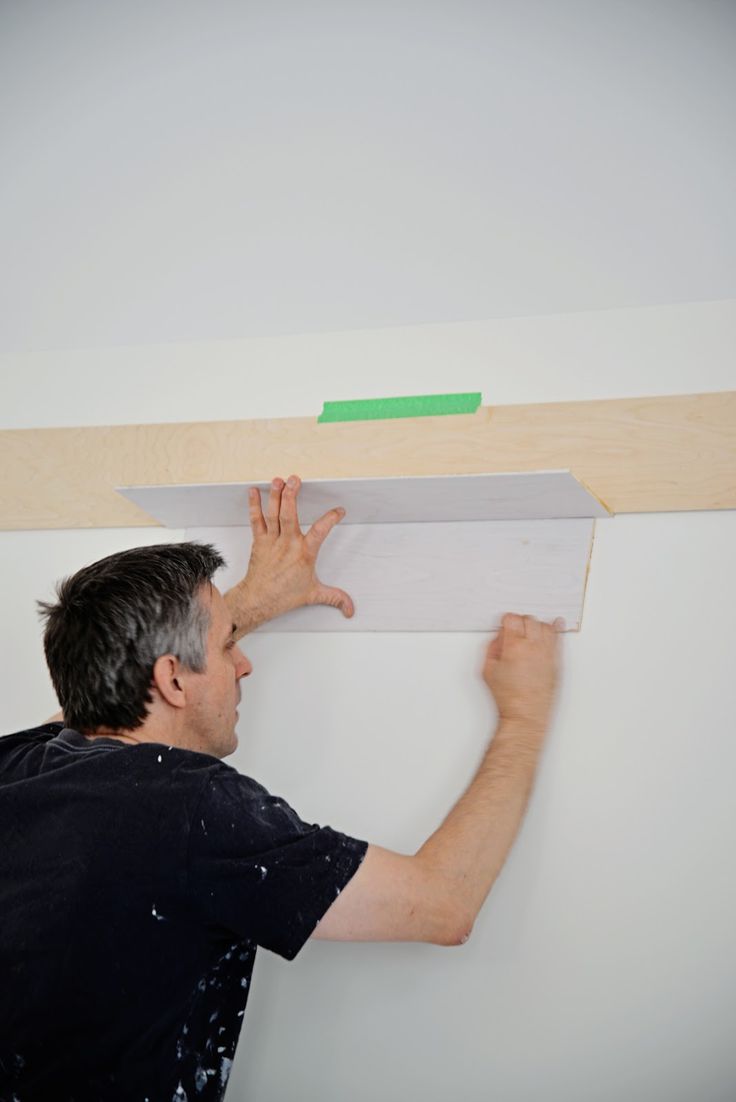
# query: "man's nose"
244 666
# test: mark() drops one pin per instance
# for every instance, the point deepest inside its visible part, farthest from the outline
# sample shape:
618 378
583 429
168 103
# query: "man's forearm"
466 854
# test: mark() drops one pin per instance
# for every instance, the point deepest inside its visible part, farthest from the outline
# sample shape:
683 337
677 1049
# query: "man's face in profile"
217 690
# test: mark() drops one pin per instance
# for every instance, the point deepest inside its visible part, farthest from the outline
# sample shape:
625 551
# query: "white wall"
237 170
602 965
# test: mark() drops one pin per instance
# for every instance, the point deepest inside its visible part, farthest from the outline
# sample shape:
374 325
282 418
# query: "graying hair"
111 622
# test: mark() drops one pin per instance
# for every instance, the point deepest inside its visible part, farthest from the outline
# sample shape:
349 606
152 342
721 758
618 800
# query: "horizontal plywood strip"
435 577
635 454
536 495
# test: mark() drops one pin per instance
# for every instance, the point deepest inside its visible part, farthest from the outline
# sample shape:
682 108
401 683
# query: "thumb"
336 598
495 648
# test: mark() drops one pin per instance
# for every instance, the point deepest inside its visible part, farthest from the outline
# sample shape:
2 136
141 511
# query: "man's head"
141 644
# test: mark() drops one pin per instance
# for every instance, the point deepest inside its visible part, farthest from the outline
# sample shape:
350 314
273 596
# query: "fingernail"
291 483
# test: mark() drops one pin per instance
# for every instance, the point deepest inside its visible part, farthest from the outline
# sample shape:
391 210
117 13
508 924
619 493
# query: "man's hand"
522 668
282 569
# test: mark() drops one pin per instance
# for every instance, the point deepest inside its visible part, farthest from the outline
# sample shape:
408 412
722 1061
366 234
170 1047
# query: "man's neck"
121 736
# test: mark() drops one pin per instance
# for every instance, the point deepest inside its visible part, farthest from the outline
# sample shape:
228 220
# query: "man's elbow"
449 917
454 938
455 932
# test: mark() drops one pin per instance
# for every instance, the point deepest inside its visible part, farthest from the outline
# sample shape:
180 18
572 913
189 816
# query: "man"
139 873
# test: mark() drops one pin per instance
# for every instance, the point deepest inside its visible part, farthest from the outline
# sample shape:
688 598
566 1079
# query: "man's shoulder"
30 736
42 731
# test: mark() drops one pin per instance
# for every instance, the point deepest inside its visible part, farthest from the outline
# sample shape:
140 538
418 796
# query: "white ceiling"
184 171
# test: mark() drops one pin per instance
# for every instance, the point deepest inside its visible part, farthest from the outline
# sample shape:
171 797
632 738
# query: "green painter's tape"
380 409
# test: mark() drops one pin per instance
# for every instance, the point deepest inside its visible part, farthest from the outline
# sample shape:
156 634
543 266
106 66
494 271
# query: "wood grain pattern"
650 454
405 577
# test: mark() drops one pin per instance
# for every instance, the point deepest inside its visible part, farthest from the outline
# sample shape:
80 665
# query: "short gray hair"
114 618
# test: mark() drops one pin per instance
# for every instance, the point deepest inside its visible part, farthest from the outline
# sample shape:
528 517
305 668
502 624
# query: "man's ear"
168 680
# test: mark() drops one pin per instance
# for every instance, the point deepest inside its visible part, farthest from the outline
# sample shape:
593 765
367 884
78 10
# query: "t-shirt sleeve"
258 870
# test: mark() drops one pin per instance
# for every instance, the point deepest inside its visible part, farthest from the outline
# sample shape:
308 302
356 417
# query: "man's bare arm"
436 894
470 848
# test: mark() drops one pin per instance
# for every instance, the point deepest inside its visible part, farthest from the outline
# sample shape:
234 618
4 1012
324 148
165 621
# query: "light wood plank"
636 455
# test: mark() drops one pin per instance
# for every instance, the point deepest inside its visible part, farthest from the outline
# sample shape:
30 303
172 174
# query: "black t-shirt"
136 883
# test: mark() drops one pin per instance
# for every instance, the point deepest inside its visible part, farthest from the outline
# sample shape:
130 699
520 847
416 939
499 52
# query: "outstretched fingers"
288 515
274 507
321 528
337 598
257 522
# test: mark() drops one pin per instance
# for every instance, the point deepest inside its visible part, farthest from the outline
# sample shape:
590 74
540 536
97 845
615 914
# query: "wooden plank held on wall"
524 541
652 454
